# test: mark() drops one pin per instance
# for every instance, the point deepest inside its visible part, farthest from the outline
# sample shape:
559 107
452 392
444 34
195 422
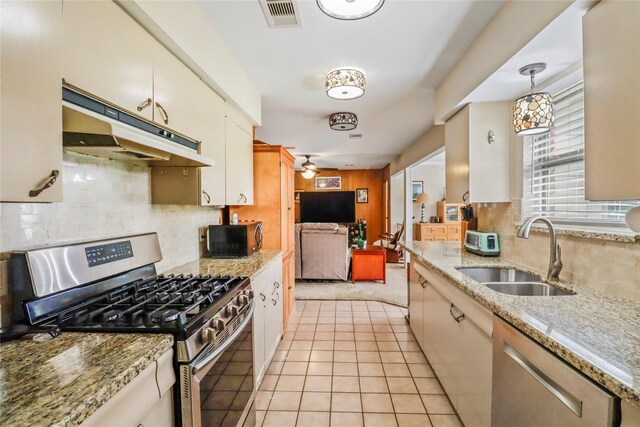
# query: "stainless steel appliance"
534 388
234 240
111 286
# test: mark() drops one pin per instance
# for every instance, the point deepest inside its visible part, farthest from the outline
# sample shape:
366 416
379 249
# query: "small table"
369 264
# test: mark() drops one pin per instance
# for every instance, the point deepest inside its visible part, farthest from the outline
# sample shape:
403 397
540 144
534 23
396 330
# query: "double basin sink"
512 281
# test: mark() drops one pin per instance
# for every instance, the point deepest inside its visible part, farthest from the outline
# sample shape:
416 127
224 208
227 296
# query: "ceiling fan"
309 169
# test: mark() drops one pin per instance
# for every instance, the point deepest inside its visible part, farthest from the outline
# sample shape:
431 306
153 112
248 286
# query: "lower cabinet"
267 318
288 287
455 333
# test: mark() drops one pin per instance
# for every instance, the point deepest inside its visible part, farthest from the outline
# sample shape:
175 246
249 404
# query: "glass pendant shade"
350 9
343 121
344 83
308 173
533 114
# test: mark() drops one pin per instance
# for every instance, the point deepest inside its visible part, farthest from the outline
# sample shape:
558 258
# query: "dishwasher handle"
569 400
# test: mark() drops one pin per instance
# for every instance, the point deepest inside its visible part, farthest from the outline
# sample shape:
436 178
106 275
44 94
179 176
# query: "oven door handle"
199 365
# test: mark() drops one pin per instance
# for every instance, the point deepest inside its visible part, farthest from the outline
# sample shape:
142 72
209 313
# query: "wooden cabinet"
109 55
473 163
239 161
31 119
437 232
456 338
611 57
267 318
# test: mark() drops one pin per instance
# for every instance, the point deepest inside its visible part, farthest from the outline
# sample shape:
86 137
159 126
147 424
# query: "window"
554 170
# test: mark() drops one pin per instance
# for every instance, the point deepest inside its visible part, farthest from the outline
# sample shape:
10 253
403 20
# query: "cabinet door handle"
457 318
422 281
263 296
207 196
242 198
145 104
163 113
48 183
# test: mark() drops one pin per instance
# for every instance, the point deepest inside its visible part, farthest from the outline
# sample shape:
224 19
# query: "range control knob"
249 294
209 335
217 324
231 311
243 300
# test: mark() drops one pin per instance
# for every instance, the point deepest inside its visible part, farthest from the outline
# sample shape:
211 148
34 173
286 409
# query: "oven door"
217 388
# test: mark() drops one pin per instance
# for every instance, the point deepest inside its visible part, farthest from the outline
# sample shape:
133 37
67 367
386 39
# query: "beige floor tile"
345 336
324 336
373 385
379 420
385 336
428 386
365 336
325 328
413 420
322 345
346 385
414 357
275 368
344 356
363 328
377 402
437 404
361 321
290 383
260 417
401 385
344 320
345 369
366 346
314 401
279 356
344 328
269 382
284 345
382 328
285 401
445 421
396 370
306 328
294 368
304 336
392 357
288 336
326 321
400 328
404 337
321 356
346 419
346 402
345 346
409 346
368 357
421 370
298 355
280 419
407 404
314 419
317 383
361 314
388 346
308 321
320 368
301 345
263 398
370 369
397 320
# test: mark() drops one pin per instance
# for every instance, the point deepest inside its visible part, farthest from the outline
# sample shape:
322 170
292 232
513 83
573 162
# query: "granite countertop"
61 382
249 266
597 334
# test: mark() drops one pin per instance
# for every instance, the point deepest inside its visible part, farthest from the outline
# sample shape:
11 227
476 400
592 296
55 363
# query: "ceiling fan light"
308 173
349 9
343 121
344 83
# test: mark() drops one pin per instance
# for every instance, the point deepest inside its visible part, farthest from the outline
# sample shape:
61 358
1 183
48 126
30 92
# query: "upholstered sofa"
322 251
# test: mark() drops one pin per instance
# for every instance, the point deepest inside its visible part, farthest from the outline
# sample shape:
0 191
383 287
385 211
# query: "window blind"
554 170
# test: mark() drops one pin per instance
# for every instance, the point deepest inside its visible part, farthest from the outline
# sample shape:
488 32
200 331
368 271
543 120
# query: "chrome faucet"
555 261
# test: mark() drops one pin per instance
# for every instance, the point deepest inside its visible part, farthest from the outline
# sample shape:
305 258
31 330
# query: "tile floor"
351 364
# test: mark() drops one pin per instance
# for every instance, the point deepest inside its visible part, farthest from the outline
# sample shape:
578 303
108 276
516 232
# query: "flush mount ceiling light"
343 121
344 83
349 9
533 113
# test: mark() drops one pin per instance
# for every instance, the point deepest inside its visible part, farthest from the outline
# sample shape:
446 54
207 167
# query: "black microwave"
234 240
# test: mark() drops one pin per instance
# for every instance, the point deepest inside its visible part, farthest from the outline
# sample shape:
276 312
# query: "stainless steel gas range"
112 286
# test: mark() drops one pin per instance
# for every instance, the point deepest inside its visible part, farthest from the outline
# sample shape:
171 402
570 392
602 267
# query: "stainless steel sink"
497 274
512 281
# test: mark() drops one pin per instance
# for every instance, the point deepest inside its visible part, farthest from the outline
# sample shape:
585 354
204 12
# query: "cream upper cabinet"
239 160
213 146
31 119
611 58
475 162
107 54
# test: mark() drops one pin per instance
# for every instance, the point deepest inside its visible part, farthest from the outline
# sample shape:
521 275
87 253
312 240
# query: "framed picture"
362 195
328 182
416 189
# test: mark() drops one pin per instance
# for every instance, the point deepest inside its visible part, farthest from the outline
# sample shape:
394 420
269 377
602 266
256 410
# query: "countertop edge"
584 366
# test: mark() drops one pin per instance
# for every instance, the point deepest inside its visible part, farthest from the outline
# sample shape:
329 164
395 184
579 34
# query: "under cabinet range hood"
93 127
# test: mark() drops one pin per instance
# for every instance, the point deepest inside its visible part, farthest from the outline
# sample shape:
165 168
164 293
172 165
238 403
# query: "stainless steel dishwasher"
534 388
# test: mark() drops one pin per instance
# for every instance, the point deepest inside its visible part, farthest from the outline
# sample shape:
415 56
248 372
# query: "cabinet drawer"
437 230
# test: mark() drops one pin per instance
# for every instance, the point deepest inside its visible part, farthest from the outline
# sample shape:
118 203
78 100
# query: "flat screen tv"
328 206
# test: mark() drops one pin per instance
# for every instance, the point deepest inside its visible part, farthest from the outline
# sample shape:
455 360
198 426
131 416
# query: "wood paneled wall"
373 212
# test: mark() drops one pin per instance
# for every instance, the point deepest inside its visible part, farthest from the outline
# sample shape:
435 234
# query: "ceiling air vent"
355 136
281 13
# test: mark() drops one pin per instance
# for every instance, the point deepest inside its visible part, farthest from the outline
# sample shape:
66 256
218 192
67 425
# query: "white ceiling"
405 49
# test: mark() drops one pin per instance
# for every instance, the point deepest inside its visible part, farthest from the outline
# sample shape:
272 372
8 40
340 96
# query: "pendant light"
309 169
343 121
533 113
344 83
349 9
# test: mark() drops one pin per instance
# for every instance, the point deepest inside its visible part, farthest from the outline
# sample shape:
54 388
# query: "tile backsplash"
102 198
612 267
